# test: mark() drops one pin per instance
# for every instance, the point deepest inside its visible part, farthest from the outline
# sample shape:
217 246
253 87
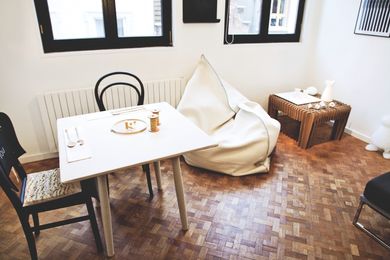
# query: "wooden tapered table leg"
157 171
106 214
180 192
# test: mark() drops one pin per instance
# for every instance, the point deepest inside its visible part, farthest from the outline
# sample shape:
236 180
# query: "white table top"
111 151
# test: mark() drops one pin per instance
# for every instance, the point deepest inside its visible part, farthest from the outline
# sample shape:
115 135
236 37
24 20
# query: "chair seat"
377 192
45 186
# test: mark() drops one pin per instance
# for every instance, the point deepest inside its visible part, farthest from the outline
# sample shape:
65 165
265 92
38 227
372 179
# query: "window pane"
138 18
75 19
244 16
283 16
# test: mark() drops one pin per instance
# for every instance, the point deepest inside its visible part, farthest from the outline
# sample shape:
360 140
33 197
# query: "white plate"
134 126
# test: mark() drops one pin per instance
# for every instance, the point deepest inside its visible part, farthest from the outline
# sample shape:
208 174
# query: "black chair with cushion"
38 192
377 196
133 84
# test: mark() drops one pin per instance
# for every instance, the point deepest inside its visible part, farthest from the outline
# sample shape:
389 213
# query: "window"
72 25
254 21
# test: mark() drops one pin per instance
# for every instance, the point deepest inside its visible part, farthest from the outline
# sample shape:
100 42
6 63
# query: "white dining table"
103 151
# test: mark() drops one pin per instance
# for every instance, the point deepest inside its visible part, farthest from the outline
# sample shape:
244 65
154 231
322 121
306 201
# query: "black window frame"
111 40
264 36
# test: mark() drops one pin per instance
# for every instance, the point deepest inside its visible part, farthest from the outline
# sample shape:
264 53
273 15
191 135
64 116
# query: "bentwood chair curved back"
119 84
40 191
117 80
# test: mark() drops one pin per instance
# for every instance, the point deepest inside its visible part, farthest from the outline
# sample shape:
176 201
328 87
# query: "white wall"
359 64
257 70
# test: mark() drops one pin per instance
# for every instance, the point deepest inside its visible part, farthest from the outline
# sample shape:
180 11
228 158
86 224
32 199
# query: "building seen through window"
283 16
251 21
108 20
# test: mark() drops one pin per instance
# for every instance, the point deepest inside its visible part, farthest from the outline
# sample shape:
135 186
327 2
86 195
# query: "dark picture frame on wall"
373 18
200 11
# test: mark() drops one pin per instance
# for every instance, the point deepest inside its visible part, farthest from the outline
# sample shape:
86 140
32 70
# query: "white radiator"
58 104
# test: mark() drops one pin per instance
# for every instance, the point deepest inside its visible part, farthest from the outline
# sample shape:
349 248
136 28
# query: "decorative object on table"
154 123
129 126
245 133
321 105
380 139
40 191
156 112
373 18
200 11
120 80
376 195
327 95
311 91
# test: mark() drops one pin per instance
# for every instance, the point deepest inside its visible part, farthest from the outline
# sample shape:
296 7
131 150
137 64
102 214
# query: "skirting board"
38 157
358 135
354 133
43 156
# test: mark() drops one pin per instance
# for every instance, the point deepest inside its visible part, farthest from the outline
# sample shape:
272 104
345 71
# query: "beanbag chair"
245 133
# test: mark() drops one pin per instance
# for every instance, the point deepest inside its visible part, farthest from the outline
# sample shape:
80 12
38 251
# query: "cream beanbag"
245 133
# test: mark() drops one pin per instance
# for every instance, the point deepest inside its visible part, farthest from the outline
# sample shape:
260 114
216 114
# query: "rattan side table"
309 118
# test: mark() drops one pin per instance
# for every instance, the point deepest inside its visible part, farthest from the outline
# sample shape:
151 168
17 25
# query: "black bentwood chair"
377 196
107 82
40 191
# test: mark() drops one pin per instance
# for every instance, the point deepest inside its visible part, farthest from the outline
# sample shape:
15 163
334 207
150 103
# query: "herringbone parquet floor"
301 209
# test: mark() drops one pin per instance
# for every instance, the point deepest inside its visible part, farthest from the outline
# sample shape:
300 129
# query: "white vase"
327 95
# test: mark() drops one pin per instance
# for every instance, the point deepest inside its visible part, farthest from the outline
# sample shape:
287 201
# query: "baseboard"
37 157
358 135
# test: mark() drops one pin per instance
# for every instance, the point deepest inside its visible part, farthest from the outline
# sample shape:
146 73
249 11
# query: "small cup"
153 123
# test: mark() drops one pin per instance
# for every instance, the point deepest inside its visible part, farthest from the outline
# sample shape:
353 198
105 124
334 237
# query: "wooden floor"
301 209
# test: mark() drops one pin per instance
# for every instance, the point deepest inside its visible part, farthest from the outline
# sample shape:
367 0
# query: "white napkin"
78 152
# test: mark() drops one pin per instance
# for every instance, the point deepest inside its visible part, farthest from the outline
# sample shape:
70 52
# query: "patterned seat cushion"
45 186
